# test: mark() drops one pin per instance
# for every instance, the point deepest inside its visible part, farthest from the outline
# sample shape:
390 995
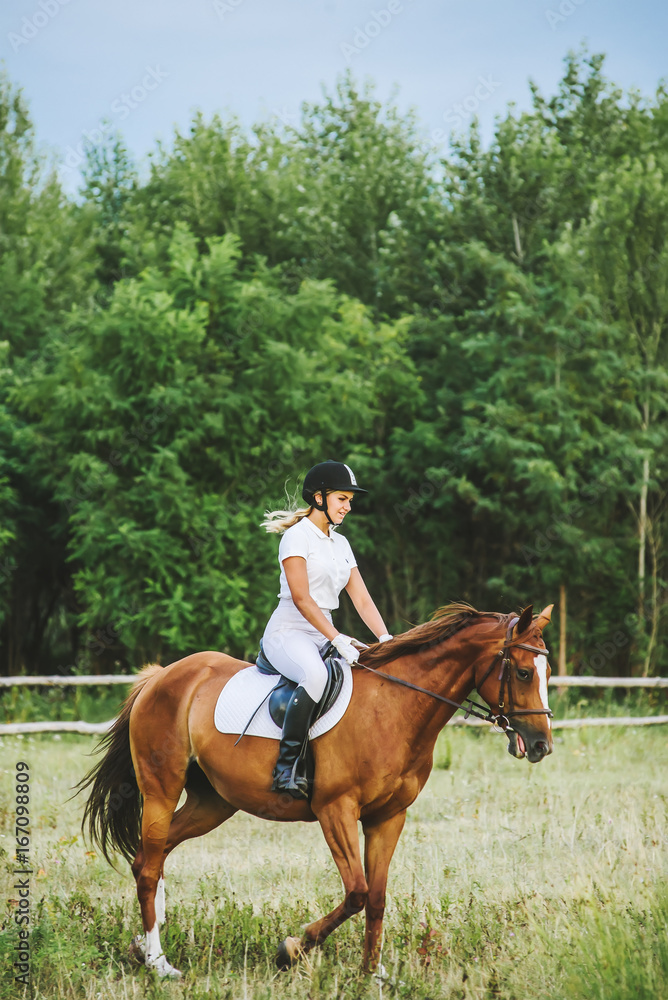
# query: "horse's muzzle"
533 746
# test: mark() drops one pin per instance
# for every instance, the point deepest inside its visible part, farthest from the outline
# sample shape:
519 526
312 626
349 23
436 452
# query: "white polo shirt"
329 560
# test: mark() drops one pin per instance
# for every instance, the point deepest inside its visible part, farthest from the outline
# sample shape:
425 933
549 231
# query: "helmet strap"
323 506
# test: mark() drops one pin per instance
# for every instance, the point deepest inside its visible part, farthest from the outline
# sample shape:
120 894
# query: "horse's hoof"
163 968
136 950
289 952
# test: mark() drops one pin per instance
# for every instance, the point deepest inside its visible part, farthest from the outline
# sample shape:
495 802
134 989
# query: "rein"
471 707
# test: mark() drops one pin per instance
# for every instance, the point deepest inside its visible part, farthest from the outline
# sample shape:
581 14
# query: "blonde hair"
279 521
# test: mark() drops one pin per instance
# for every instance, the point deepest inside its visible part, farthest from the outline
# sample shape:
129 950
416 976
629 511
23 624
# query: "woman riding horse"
316 565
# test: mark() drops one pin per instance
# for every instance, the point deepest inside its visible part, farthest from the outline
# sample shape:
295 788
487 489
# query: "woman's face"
338 504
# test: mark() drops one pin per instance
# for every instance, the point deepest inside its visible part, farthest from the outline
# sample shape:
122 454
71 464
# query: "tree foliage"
483 338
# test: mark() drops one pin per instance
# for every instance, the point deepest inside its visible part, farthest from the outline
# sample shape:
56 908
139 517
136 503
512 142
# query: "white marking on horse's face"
540 662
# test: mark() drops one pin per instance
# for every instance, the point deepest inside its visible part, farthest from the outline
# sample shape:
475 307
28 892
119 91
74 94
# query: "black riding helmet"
325 477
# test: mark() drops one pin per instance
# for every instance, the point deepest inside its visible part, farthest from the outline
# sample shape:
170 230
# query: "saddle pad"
244 692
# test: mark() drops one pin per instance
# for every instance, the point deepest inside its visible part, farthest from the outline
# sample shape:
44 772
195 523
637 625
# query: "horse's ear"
544 617
525 620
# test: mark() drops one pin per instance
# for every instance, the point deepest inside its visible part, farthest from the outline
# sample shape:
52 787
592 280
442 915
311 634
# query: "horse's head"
516 686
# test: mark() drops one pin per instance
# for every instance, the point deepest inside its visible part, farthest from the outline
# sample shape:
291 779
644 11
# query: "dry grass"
499 866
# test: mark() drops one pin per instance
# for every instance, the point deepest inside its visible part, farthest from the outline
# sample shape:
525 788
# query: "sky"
145 66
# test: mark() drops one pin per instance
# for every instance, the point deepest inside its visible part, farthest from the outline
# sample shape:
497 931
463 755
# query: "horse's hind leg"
161 777
147 869
202 812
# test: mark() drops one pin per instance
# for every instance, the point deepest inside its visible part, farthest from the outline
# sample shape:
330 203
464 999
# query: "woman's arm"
297 577
364 604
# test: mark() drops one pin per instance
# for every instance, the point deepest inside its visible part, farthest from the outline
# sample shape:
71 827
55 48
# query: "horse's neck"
448 671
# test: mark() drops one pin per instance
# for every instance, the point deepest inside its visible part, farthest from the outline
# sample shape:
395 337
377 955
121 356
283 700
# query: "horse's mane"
444 623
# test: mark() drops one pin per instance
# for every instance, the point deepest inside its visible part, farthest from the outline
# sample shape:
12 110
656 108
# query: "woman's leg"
297 657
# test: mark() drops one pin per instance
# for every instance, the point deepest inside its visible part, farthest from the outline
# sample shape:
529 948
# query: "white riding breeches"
293 645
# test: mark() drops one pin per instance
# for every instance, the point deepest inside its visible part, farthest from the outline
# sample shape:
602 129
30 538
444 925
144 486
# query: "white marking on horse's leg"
160 901
541 666
155 957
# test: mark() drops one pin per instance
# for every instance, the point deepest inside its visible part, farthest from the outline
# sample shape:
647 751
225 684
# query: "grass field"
510 881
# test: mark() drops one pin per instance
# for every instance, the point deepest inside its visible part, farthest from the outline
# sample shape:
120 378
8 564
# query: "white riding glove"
384 637
344 646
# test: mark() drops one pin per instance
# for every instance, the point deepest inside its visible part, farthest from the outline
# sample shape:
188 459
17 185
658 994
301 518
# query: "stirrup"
294 784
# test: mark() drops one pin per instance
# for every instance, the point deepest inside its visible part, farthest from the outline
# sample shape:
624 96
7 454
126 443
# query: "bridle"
505 678
470 707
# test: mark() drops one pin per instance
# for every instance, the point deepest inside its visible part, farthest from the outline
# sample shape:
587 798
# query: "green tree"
170 420
44 267
110 180
626 241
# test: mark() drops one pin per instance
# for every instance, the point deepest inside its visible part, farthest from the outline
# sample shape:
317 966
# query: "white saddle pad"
244 692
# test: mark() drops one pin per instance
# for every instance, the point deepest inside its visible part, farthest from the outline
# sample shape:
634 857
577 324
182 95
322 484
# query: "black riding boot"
295 727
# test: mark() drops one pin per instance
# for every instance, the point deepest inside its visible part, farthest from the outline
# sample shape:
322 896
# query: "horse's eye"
524 675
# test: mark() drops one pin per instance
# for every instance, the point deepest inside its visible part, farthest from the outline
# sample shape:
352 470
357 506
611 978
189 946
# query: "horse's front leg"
339 825
380 840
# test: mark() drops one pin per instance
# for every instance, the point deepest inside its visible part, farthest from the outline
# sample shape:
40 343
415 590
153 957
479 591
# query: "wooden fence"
99 728
58 680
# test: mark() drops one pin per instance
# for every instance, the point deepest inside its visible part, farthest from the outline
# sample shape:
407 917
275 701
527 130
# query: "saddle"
280 696
282 692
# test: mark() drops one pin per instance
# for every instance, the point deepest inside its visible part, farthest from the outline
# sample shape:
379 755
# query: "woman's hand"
343 645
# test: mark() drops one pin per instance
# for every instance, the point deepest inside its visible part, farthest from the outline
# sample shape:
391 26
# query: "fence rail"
608 682
99 728
58 680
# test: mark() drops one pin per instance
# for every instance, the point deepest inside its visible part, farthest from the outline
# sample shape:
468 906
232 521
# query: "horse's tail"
114 808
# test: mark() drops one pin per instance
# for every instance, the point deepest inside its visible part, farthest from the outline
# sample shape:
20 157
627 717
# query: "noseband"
471 707
505 678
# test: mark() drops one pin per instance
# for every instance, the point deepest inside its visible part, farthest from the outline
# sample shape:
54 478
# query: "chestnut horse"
370 767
